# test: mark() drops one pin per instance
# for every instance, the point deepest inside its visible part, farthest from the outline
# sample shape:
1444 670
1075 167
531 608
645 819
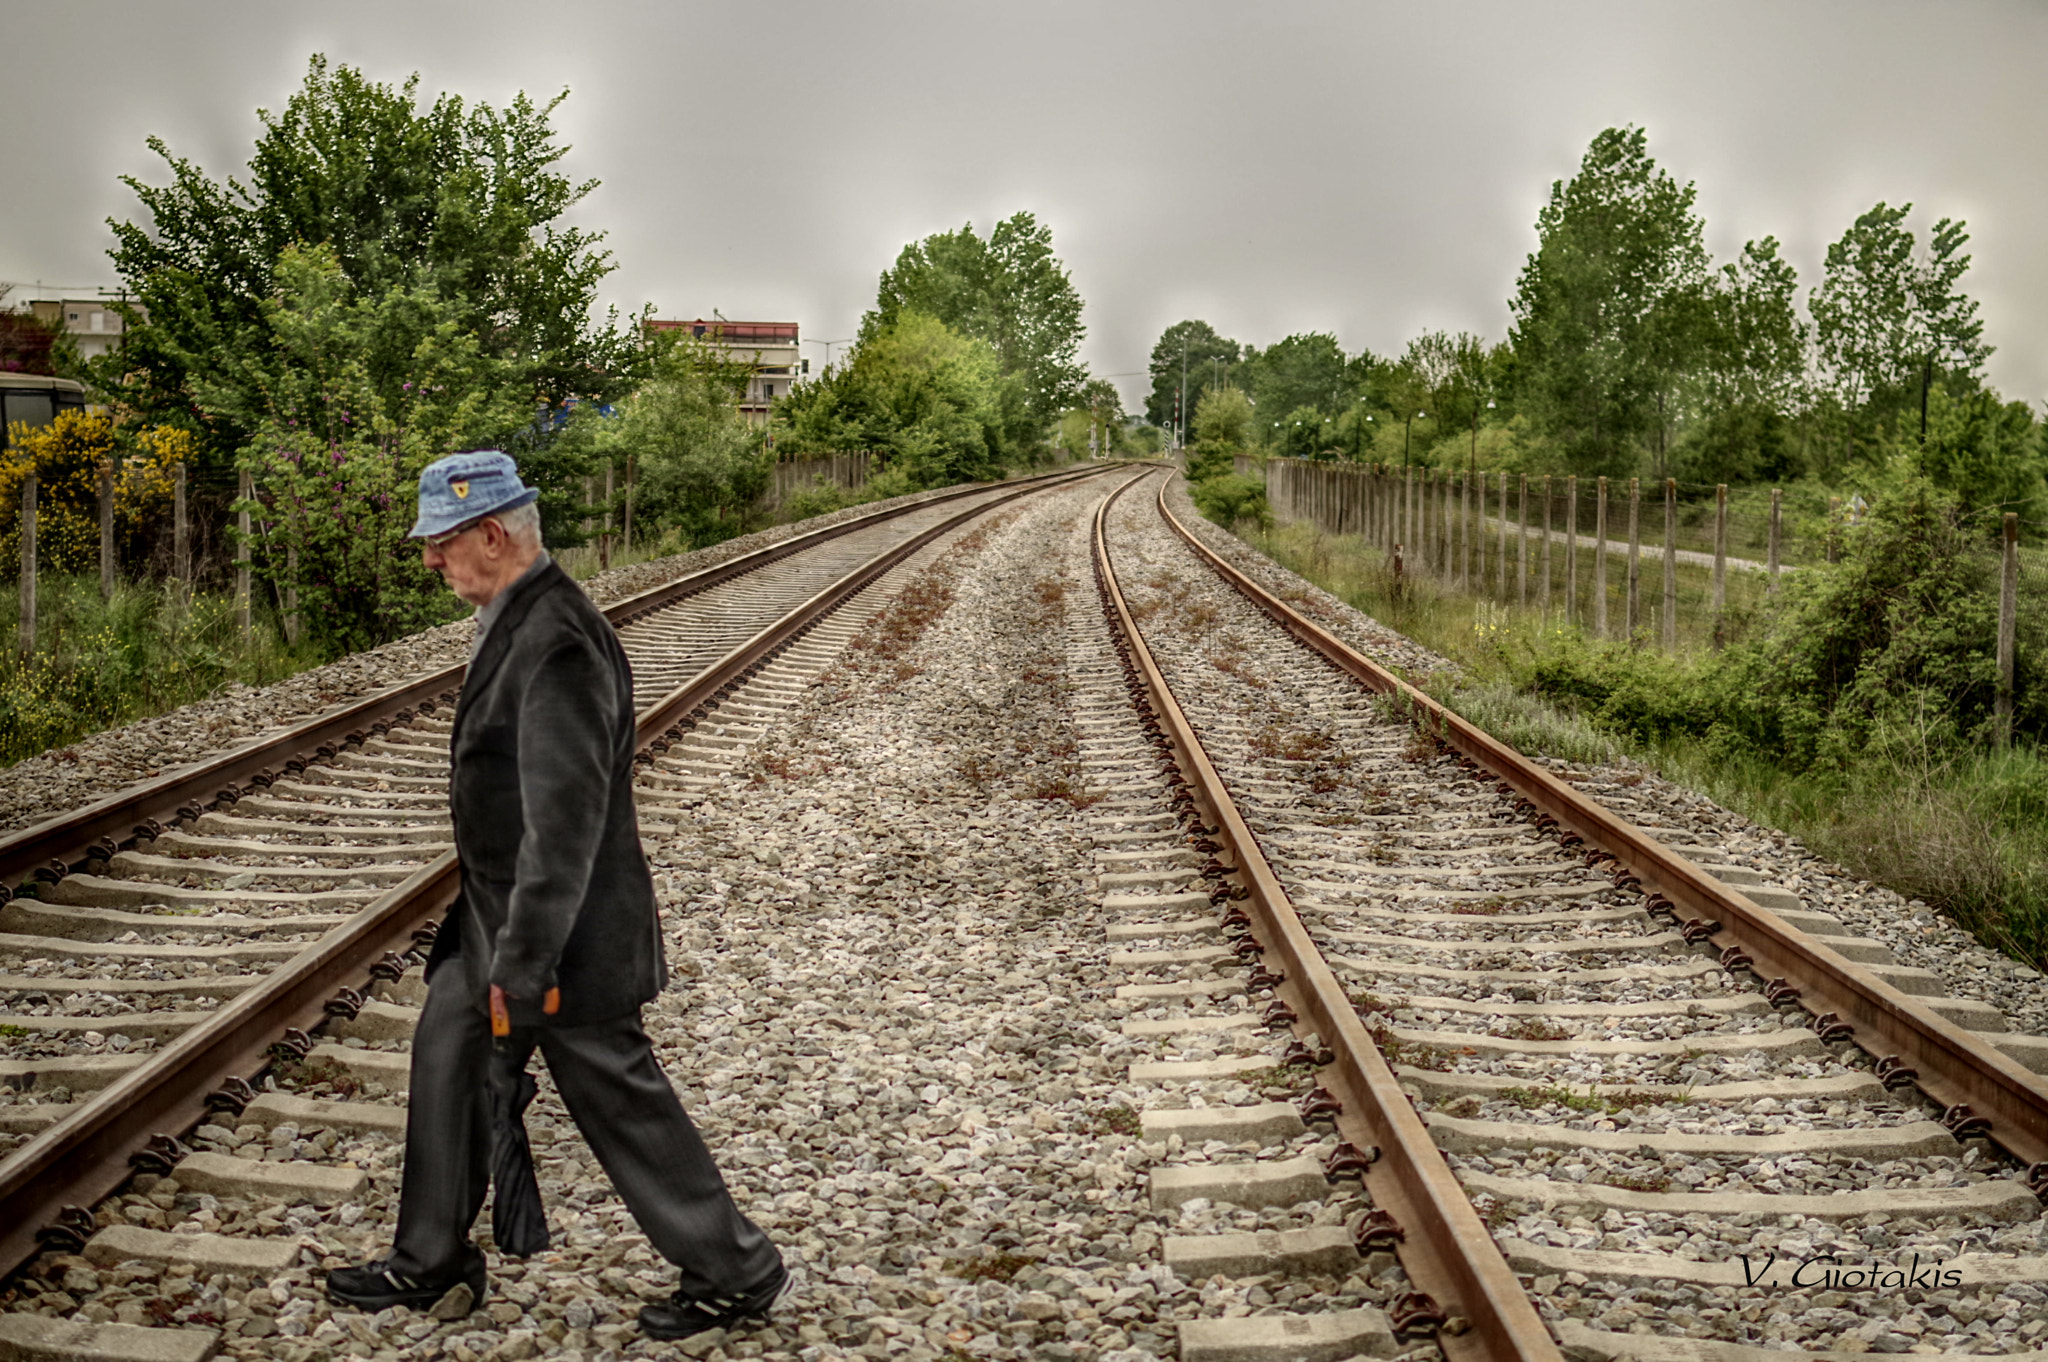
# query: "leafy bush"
1233 499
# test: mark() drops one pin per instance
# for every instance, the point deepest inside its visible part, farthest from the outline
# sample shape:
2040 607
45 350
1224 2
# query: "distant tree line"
1633 353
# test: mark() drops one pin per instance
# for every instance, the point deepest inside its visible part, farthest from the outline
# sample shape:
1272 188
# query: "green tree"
1984 451
1610 309
700 466
354 394
934 400
461 201
1188 362
1304 370
1010 291
1889 318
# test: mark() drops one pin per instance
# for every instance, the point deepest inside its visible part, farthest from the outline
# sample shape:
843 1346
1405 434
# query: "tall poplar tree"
1609 309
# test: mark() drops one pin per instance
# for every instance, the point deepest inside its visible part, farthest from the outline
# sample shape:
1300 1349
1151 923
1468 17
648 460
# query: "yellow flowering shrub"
65 457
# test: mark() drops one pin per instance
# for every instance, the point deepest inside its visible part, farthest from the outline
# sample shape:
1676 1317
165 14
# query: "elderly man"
555 931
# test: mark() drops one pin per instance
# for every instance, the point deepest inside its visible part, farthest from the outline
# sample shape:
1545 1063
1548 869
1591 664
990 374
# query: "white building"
91 323
770 348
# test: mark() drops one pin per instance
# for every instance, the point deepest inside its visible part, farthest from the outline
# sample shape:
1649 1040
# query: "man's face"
473 562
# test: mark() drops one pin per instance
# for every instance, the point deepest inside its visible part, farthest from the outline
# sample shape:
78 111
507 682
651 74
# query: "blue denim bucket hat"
463 487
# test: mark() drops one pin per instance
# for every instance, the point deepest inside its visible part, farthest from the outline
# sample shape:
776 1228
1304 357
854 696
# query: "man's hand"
501 1015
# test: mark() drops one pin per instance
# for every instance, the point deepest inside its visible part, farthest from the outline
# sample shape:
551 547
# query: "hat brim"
427 525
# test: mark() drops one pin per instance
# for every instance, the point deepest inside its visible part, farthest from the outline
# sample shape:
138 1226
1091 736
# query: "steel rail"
55 847
1981 1090
86 1155
1444 1246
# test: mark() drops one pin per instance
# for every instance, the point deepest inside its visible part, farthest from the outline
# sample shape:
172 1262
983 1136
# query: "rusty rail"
1981 1091
1443 1245
86 1155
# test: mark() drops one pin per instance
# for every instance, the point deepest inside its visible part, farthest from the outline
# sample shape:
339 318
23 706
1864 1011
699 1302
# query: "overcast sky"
1371 169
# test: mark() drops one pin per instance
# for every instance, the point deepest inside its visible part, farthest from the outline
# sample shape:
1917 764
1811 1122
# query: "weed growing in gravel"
1415 1056
1117 1120
1532 1028
10 1031
1589 1101
312 1075
994 1267
1640 1182
1061 784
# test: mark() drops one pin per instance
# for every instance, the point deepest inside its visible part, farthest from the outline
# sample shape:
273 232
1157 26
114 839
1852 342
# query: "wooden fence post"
1571 549
1600 561
1670 565
181 537
1828 536
2008 621
1503 554
1635 557
1447 507
627 533
291 595
1522 546
245 488
1720 557
28 565
106 529
1471 527
1546 544
1771 584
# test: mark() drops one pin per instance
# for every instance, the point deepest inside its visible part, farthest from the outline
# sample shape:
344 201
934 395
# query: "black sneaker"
373 1286
681 1316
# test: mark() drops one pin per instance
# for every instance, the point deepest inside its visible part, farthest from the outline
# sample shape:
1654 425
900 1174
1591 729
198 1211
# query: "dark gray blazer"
555 889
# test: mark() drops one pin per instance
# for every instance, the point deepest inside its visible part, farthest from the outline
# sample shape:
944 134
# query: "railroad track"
158 948
1585 1089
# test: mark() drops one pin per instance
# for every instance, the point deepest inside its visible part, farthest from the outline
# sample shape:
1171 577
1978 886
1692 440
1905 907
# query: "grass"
1588 1101
100 663
1963 829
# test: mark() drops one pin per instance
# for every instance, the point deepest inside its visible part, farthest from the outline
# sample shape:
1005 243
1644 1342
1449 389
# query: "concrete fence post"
245 489
1471 526
1571 549
604 539
1546 544
2008 624
28 565
1600 560
1635 558
1670 565
106 529
1771 563
1522 545
1828 539
626 531
181 535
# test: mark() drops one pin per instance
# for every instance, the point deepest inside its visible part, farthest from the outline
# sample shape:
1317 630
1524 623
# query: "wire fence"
1658 562
200 540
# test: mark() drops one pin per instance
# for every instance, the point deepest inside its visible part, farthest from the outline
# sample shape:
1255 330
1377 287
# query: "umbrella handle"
501 1016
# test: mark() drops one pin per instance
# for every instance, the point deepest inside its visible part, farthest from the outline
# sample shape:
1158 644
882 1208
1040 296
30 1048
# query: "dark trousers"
629 1115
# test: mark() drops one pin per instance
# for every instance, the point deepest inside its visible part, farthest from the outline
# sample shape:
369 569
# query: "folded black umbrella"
518 1222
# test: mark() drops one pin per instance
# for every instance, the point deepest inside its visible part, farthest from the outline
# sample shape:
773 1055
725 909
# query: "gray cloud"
1366 168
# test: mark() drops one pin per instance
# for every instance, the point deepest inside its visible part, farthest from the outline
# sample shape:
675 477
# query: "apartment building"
770 348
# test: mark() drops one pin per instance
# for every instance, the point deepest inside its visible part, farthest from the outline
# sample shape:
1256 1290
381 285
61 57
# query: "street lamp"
828 344
1406 434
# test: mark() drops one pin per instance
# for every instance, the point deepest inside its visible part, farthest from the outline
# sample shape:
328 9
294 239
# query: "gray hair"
522 524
